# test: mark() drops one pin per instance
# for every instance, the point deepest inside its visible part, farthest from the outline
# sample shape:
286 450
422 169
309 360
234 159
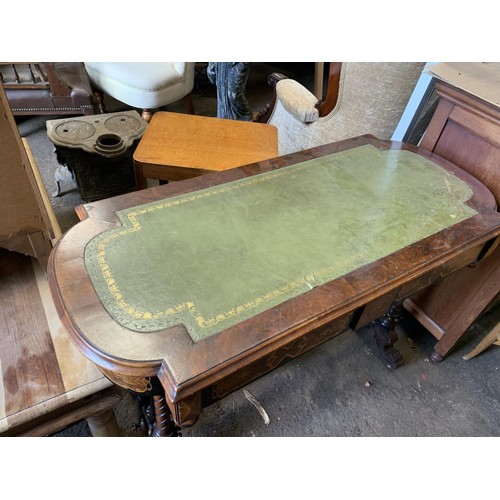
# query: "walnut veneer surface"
212 259
192 374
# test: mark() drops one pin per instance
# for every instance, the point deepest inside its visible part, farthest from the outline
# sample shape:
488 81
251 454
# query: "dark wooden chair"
361 98
324 106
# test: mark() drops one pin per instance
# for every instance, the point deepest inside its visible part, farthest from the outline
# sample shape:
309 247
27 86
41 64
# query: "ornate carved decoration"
279 356
136 384
386 336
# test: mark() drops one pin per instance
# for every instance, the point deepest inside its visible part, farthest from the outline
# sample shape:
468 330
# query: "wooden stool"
178 146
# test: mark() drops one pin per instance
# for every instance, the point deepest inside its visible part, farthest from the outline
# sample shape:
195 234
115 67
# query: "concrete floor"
342 388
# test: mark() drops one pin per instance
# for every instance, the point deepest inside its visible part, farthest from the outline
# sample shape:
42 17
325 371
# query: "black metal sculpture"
230 78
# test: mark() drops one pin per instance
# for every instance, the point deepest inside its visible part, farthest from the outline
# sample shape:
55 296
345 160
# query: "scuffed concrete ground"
343 388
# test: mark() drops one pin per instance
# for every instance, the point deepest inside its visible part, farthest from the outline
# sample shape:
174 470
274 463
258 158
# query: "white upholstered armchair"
371 99
143 85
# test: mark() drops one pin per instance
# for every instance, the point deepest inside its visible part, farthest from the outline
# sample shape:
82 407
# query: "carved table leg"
156 418
163 426
386 336
147 413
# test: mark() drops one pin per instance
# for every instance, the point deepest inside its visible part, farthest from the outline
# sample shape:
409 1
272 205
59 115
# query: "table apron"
187 404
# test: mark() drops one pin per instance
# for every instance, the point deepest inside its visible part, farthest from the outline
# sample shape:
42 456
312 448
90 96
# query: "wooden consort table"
189 291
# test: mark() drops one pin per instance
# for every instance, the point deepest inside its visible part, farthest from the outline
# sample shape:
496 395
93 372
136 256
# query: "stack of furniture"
45 383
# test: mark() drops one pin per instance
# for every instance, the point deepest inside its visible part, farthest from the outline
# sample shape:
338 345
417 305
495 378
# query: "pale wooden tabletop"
189 145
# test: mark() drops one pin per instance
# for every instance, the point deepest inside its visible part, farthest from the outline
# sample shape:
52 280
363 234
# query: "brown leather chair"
61 88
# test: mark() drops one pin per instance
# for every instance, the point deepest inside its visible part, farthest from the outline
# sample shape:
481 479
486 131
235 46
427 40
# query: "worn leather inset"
215 257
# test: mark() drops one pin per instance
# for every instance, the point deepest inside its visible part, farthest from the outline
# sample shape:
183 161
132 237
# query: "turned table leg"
386 336
163 426
104 424
147 114
156 418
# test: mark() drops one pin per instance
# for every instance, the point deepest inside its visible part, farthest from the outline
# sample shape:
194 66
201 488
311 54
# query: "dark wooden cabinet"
465 129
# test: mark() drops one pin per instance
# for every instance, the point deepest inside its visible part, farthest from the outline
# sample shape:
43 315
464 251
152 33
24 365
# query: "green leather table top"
215 257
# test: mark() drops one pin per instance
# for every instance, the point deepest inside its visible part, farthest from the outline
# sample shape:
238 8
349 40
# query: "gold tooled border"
189 306
202 322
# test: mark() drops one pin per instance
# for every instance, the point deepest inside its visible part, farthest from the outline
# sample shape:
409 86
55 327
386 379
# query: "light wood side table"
178 146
